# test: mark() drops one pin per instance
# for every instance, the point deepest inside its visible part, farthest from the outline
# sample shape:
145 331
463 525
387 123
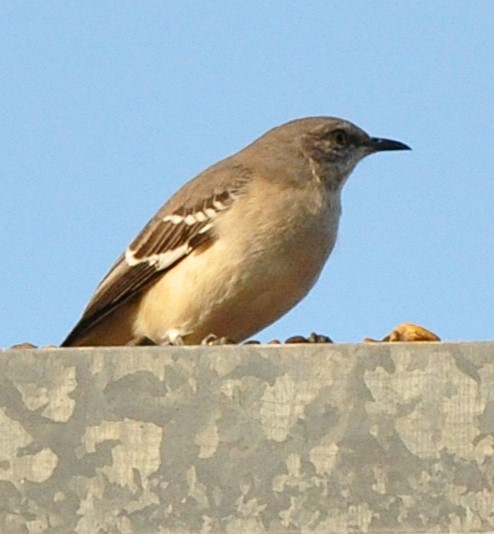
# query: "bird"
237 246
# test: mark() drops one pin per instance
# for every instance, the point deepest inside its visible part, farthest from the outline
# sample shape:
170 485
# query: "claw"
212 339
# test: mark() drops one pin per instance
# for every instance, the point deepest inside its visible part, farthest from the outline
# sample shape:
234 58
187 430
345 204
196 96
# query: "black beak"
378 145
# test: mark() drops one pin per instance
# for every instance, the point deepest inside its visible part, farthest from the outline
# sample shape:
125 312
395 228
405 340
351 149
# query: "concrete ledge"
329 438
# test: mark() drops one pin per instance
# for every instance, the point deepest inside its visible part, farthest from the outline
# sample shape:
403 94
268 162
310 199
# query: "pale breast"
268 252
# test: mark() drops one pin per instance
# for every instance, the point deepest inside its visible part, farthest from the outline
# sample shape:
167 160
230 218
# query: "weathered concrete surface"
333 438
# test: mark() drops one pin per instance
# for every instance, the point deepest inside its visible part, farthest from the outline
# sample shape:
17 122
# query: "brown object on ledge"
407 332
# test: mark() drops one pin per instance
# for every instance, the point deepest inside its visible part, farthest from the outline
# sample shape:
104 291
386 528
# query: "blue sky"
107 107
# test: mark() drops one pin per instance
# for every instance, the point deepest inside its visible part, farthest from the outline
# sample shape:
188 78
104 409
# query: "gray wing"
184 223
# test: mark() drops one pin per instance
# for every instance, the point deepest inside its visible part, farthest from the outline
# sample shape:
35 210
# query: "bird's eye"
339 138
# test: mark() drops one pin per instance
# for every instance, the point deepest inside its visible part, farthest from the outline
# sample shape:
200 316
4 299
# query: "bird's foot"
212 339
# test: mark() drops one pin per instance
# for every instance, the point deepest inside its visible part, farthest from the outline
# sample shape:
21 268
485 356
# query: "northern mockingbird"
236 247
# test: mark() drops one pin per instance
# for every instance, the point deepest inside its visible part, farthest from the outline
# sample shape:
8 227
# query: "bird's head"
334 146
331 148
